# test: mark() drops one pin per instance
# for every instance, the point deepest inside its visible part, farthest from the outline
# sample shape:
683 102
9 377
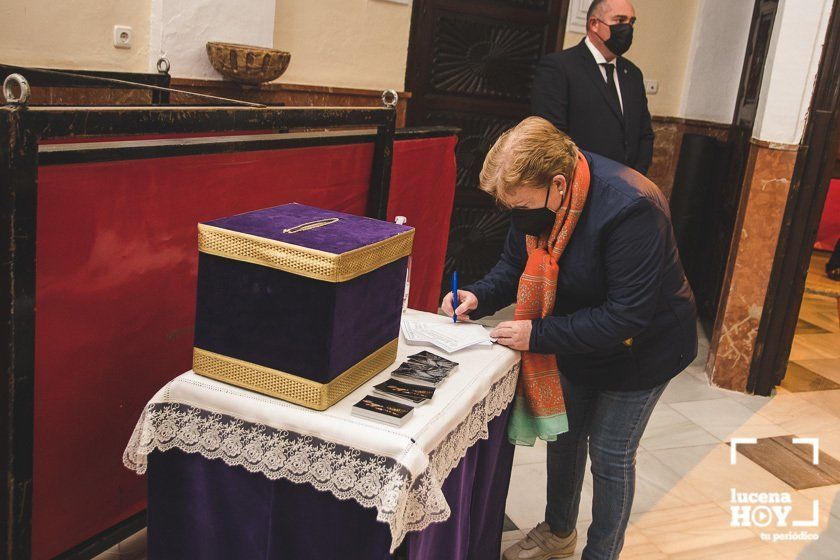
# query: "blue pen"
455 301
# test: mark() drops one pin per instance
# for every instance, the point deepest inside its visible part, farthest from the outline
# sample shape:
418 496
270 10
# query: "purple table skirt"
203 509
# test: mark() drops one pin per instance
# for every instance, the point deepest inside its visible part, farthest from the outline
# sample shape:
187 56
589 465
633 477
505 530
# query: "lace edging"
405 504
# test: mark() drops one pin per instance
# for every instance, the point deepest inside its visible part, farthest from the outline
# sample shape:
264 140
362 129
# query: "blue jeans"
609 424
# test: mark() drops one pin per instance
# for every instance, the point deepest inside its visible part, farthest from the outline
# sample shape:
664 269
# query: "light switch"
651 87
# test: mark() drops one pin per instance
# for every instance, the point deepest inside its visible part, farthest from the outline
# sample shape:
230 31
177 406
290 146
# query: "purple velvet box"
297 302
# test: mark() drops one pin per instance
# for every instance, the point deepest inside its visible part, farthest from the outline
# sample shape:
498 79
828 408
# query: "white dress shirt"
599 60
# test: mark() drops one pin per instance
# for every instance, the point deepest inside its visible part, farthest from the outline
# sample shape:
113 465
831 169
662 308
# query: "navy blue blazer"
620 278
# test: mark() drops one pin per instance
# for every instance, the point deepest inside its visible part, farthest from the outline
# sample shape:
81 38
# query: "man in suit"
594 94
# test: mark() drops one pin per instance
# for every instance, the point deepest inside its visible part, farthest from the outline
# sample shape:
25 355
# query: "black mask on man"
621 37
533 221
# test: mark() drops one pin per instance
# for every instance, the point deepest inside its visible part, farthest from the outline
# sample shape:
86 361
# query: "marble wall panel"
763 200
669 133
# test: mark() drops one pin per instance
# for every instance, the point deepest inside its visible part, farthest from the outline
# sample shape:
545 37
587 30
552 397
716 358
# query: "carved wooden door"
471 64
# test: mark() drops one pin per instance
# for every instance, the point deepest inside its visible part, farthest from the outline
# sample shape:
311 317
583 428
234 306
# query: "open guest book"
449 337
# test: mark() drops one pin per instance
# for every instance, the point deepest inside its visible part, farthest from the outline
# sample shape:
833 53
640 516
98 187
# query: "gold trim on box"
311 263
287 386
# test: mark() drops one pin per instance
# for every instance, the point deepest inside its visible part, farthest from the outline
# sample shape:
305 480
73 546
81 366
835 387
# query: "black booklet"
382 410
429 359
419 375
424 368
405 393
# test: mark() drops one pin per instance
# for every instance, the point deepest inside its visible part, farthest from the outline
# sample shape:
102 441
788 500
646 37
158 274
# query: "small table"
235 474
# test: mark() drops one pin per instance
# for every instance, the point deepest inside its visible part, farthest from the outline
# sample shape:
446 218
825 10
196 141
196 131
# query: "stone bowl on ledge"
247 64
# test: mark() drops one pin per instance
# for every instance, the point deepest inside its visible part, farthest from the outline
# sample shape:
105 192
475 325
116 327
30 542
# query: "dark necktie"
609 67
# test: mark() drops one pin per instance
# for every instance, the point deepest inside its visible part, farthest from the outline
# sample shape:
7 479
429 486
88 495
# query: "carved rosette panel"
476 238
492 59
478 133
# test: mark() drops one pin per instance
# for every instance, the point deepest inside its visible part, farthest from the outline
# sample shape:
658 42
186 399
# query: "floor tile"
689 388
805 327
696 531
798 378
829 498
132 548
815 346
509 525
659 487
826 547
829 401
792 463
820 311
708 469
797 415
524 455
110 554
754 402
642 551
726 418
830 442
135 545
668 428
827 367
526 497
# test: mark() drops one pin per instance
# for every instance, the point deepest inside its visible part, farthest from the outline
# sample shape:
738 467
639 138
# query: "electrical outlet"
651 87
122 37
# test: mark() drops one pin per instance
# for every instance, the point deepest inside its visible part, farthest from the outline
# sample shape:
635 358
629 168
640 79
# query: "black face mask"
621 37
533 221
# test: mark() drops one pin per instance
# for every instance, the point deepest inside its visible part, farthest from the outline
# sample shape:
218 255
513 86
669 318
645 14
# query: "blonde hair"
530 154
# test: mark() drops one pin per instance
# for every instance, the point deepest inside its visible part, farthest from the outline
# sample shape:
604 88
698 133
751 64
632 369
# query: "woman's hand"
513 334
467 304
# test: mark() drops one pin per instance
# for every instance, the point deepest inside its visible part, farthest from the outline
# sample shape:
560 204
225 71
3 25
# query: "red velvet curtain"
829 230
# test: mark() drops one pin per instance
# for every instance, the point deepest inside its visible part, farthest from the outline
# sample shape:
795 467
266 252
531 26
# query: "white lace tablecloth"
399 471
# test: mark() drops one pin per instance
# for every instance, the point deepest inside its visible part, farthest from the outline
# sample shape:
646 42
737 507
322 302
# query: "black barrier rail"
22 130
91 152
58 78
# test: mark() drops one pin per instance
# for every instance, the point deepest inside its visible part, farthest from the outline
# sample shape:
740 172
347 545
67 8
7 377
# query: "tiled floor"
684 477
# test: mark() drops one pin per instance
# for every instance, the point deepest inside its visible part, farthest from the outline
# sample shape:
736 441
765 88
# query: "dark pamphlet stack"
412 384
404 393
424 368
382 410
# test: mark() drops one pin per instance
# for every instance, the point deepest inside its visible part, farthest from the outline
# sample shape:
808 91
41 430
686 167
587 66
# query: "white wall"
348 43
795 49
73 35
715 60
180 30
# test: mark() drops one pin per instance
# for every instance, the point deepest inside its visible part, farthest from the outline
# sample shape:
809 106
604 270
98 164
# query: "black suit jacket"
570 91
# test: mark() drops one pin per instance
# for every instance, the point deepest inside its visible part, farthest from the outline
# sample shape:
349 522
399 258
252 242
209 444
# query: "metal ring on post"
9 93
390 98
163 65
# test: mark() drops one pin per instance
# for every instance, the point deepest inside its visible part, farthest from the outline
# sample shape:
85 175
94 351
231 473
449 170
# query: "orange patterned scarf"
538 408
